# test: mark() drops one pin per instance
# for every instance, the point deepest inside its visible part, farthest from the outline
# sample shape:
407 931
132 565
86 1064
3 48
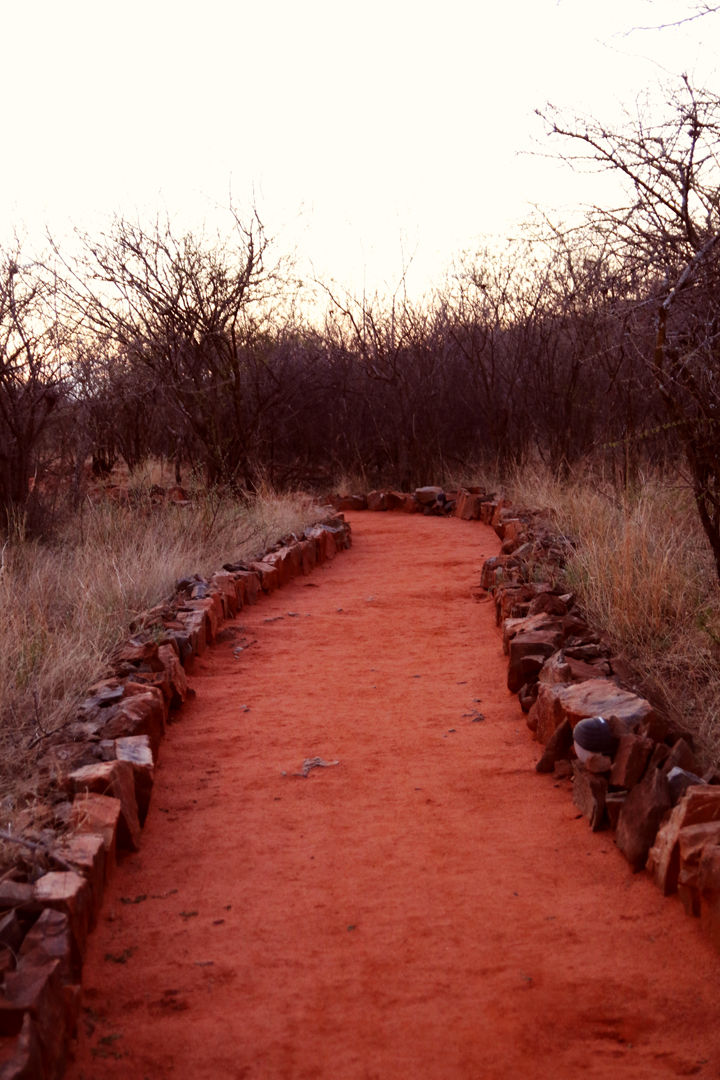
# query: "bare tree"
31 373
185 308
667 236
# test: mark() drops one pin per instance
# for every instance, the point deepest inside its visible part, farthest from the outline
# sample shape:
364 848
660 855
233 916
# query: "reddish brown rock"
86 853
539 645
250 584
36 992
195 625
426 495
143 681
557 749
630 761
555 670
598 764
352 502
225 583
579 701
543 621
92 813
640 818
468 507
682 757
692 842
133 653
51 938
175 673
495 509
143 714
698 806
69 893
411 505
580 670
376 501
137 751
113 778
281 561
589 793
212 608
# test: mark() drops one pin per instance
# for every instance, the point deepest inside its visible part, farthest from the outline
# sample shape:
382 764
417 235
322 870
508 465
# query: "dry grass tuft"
64 605
644 572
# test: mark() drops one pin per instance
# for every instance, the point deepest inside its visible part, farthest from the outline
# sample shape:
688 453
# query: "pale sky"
364 132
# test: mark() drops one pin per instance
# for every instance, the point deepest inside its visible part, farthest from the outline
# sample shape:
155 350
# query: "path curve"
427 909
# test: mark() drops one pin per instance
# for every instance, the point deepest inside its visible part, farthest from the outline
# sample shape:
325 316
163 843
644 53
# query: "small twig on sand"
314 763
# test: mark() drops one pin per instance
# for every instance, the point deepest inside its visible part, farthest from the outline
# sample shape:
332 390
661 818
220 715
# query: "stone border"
650 788
102 770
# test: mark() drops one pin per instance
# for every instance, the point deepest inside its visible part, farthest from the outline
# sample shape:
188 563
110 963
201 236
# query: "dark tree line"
601 339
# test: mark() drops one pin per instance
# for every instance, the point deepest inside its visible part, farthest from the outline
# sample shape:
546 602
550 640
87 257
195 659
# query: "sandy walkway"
428 909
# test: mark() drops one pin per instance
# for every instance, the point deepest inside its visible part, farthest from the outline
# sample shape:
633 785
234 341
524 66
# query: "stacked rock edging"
651 788
98 774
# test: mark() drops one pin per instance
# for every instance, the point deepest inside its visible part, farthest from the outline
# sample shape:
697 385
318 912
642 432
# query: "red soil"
428 909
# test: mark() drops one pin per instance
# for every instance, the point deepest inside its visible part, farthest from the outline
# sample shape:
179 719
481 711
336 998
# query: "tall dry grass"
644 572
65 604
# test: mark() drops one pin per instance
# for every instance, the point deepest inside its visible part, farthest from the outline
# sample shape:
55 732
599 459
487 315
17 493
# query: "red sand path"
428 909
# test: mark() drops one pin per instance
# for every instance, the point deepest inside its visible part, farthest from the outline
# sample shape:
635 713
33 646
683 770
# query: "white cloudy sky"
363 131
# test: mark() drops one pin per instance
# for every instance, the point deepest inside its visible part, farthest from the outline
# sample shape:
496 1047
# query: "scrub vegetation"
577 364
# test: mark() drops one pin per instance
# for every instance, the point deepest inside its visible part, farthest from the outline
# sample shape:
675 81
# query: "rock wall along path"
429 908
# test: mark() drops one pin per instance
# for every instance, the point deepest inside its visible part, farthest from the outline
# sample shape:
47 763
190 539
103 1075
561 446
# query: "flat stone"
142 714
698 806
692 841
490 568
93 813
640 818
86 852
352 502
558 747
176 675
679 781
563 769
531 624
69 893
682 757
251 585
428 494
580 701
589 793
598 764
225 582
135 653
555 670
376 501
136 750
195 625
468 507
540 644
114 778
211 606
51 938
631 758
